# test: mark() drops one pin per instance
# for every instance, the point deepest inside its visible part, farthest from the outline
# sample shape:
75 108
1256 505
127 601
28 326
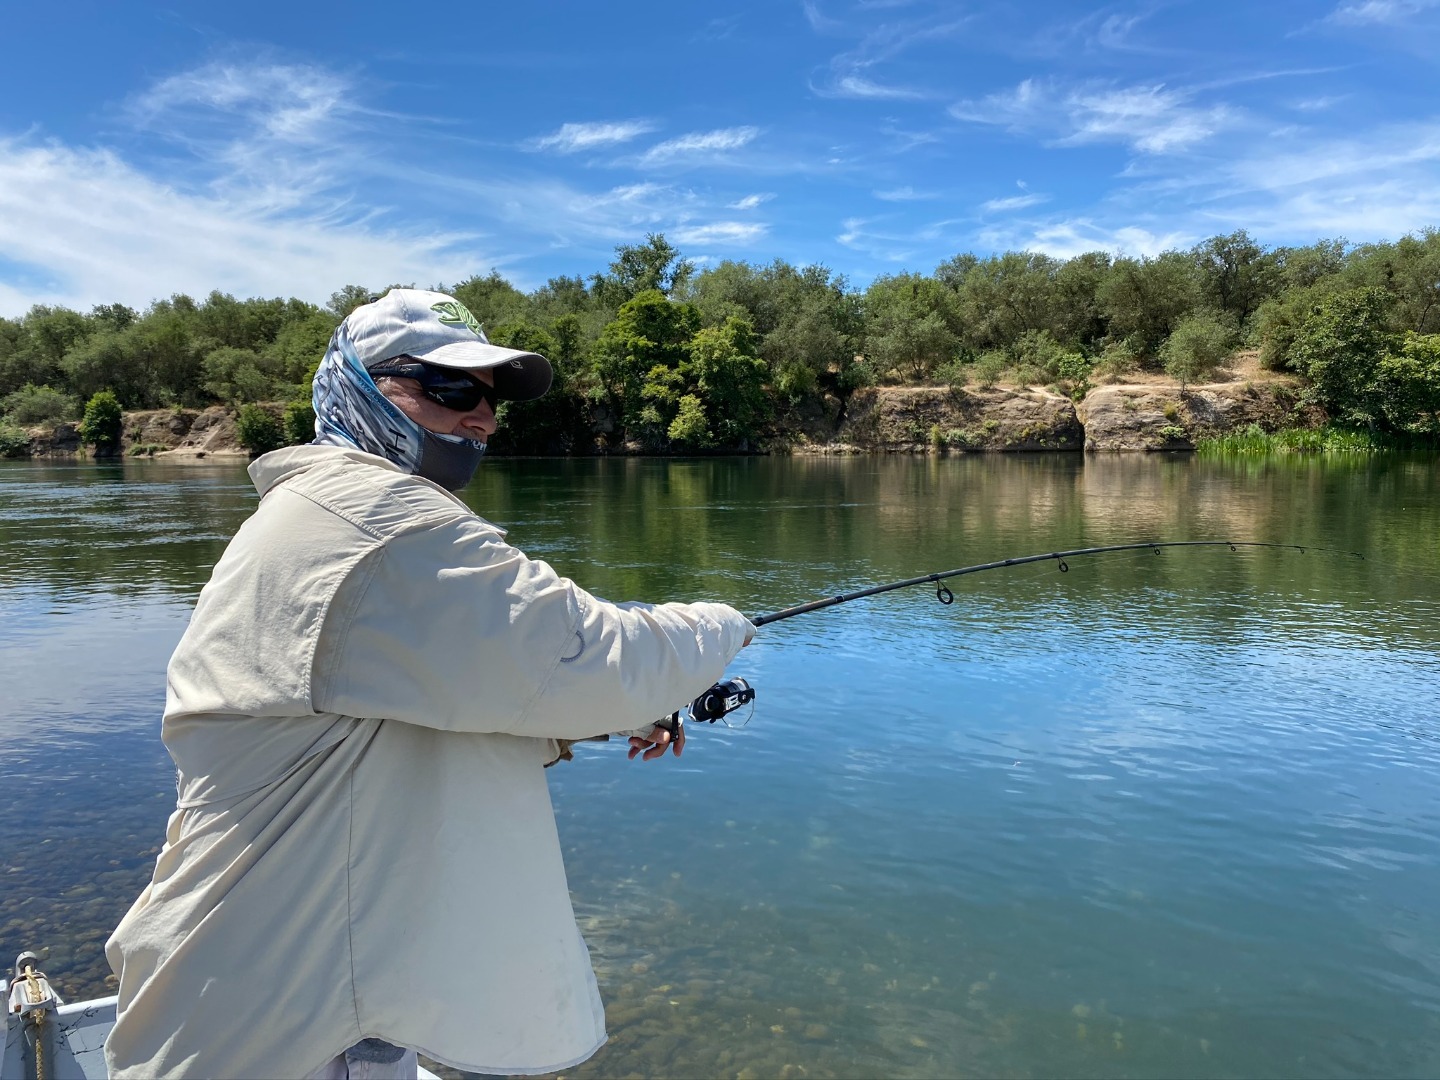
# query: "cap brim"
519 375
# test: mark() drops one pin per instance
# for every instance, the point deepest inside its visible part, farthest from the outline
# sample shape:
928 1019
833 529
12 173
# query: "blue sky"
288 149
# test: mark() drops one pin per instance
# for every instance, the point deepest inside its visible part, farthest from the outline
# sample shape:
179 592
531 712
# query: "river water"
1161 815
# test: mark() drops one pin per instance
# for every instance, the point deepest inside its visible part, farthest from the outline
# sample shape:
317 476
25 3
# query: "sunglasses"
454 389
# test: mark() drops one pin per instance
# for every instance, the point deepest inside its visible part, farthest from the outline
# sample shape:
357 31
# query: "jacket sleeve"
452 628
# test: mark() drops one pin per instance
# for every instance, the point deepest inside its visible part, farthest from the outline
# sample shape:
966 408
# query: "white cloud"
1150 119
1381 12
574 137
750 202
720 232
293 103
903 194
1014 202
99 231
700 144
857 86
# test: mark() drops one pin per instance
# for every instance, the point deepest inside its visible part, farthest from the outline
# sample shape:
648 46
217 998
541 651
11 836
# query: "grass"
1327 440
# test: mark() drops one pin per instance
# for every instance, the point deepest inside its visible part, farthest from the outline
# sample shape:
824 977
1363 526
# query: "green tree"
728 381
347 298
238 375
1339 348
1236 275
492 300
689 427
33 404
1003 297
655 265
298 421
1407 384
910 326
1145 299
1199 344
649 331
100 426
258 430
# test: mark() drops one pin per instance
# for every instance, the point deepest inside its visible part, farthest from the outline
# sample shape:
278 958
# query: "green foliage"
1198 345
298 422
492 300
258 430
1254 440
33 404
1236 275
1339 348
689 428
13 441
729 380
238 375
990 367
1145 299
911 326
1407 385
654 266
347 298
100 426
649 331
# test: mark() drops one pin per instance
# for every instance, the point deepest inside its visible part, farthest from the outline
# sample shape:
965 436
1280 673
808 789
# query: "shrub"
101 425
1172 432
1408 384
1339 348
13 441
1199 344
33 404
299 422
689 428
258 430
990 367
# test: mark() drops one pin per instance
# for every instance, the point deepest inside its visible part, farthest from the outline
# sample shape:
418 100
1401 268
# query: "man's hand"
655 744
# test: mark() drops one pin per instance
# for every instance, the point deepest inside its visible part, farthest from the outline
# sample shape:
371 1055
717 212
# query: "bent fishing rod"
725 697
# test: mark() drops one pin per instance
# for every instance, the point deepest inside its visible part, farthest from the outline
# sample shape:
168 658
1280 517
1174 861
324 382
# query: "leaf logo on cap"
454 313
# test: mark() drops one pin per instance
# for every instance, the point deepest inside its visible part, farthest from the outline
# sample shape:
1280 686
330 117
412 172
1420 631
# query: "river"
1161 815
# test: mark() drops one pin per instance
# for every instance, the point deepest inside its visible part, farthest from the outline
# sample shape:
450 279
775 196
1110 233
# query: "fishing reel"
718 702
721 700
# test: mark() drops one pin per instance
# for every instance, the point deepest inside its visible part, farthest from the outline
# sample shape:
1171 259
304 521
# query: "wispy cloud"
750 202
857 86
700 144
1150 119
97 230
852 73
1379 12
903 194
574 137
1014 202
719 232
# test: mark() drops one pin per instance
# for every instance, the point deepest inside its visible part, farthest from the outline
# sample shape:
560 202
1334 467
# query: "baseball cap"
438 329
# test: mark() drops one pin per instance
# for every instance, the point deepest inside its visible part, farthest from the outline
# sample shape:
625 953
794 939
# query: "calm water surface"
1171 815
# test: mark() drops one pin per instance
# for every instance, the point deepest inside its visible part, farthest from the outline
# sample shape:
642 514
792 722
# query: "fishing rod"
725 697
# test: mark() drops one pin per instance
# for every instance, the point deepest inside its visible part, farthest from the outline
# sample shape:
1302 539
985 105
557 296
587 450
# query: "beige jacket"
363 843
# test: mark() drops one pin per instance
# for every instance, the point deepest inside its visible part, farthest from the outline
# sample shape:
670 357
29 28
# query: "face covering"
351 411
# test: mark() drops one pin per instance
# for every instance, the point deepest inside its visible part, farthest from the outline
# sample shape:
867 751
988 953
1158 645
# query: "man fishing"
363 860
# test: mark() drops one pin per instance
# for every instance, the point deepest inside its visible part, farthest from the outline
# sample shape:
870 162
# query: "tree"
1199 344
1003 297
1145 299
1236 275
100 427
909 326
1407 384
33 404
649 331
728 381
347 298
258 430
492 300
235 375
1339 349
654 265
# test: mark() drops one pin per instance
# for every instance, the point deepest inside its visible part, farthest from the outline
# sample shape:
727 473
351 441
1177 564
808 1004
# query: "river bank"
1153 414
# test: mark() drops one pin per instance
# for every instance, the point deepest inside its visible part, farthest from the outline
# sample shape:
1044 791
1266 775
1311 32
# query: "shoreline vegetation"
1226 348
